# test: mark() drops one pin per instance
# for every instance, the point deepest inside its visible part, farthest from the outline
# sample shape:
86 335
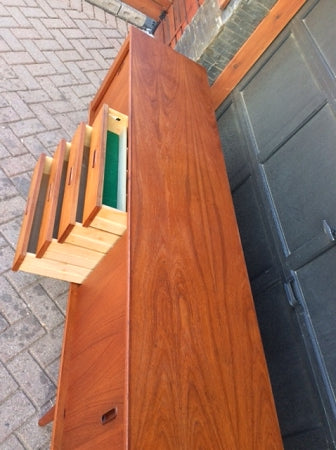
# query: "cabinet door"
90 405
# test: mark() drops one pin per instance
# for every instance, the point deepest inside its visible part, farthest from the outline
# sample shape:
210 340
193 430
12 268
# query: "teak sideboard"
162 348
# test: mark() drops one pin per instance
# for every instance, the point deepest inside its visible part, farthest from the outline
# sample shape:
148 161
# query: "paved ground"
52 60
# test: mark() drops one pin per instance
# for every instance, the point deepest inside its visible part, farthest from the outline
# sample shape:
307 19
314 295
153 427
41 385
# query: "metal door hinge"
291 293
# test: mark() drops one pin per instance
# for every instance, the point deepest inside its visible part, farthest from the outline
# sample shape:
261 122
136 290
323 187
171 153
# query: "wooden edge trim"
28 216
116 66
265 33
50 207
95 176
223 3
71 191
47 417
62 384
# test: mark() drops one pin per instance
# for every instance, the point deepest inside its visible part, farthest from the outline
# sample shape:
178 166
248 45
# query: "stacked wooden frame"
76 207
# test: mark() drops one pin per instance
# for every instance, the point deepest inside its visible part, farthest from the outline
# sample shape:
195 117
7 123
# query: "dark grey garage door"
278 131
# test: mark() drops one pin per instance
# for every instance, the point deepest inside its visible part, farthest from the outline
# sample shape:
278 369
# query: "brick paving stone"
11 142
19 17
19 336
6 258
29 126
55 288
22 183
32 380
17 58
52 60
3 152
9 419
6 186
33 145
7 383
42 306
33 436
26 78
48 348
20 280
3 323
34 51
8 114
11 304
53 370
11 208
19 106
22 163
12 443
44 116
3 46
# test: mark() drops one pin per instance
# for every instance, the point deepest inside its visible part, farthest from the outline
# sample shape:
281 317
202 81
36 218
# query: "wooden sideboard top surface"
165 327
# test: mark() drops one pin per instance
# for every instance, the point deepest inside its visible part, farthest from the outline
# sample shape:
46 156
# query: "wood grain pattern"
71 191
49 212
115 87
47 417
27 222
93 369
198 376
104 121
110 220
278 17
92 238
53 269
95 177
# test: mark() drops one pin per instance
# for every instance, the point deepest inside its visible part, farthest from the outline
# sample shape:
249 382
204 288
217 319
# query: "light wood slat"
265 33
54 269
110 220
91 238
72 254
42 166
71 192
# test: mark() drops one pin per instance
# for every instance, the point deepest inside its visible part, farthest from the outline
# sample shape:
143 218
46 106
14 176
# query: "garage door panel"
233 143
319 293
278 101
320 22
252 230
286 211
293 387
302 181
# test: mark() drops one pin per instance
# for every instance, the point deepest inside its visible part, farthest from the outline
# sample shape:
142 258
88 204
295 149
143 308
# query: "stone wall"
214 36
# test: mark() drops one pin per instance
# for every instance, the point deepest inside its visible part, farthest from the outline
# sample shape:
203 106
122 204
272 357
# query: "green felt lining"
110 186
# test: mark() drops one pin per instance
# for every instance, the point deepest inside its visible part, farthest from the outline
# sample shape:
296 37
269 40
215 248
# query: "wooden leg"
48 417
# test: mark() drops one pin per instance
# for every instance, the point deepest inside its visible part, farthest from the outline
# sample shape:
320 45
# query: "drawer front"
107 171
32 216
70 204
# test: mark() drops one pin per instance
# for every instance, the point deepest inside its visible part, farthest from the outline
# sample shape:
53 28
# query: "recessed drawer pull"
70 176
94 159
49 191
109 415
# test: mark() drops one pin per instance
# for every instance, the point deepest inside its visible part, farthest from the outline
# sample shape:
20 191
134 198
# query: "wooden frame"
162 336
25 256
95 213
262 37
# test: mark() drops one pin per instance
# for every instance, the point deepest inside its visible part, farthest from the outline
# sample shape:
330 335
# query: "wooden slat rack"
53 240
